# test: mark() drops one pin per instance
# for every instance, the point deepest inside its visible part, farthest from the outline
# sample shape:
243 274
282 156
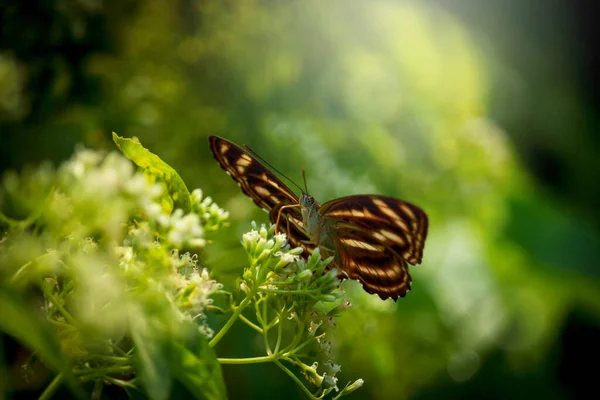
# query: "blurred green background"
483 113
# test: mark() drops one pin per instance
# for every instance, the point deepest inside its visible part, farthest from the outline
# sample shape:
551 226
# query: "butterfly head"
306 200
310 214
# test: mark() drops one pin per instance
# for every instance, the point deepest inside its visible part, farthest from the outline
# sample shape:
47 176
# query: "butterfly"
373 238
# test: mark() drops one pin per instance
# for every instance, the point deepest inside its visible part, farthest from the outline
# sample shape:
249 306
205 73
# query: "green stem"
112 359
265 328
274 322
231 320
279 335
251 360
296 340
306 292
299 347
120 382
251 324
59 307
52 387
98 386
97 372
258 313
295 378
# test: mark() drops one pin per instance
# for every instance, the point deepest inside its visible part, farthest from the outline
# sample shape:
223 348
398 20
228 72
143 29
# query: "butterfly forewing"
263 187
255 180
373 237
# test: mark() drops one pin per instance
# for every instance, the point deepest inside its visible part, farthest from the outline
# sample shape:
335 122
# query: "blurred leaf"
151 360
197 367
176 188
17 320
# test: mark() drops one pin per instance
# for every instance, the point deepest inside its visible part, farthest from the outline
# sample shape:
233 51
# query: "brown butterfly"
371 237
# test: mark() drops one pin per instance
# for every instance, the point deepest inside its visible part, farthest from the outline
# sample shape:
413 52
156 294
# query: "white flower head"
250 237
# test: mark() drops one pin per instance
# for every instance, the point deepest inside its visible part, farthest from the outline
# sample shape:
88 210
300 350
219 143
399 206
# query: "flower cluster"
303 294
94 237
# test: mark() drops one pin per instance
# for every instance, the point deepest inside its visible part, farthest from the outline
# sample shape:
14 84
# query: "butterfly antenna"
270 166
304 177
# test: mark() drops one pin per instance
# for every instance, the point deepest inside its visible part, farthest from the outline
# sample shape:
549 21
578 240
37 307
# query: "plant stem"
251 360
295 378
52 387
231 320
59 307
251 324
279 335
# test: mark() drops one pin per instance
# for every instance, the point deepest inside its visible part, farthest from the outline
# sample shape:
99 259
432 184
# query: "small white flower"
136 186
154 210
196 195
250 237
333 367
197 243
325 346
155 191
330 381
126 256
163 220
263 231
186 229
287 257
280 239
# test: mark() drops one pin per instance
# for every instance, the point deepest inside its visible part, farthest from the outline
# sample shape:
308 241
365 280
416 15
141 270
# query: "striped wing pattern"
375 237
263 187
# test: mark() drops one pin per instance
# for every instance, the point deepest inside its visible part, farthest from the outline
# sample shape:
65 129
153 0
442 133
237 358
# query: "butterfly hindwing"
398 226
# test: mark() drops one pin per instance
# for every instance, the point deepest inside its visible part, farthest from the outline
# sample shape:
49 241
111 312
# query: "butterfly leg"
279 214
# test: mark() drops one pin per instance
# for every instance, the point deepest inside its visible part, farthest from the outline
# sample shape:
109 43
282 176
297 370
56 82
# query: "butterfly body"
373 238
314 225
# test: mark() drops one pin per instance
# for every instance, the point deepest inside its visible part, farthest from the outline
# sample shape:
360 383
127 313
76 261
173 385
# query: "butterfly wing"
264 188
375 238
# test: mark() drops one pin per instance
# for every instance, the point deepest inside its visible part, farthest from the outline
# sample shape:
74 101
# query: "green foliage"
120 304
176 194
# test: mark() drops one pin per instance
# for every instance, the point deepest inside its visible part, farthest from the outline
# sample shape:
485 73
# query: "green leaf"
178 195
17 320
195 365
151 359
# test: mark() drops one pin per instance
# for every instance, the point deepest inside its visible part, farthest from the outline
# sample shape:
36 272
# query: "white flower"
250 237
333 367
330 381
196 195
154 210
263 231
280 239
82 161
287 257
137 185
186 229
